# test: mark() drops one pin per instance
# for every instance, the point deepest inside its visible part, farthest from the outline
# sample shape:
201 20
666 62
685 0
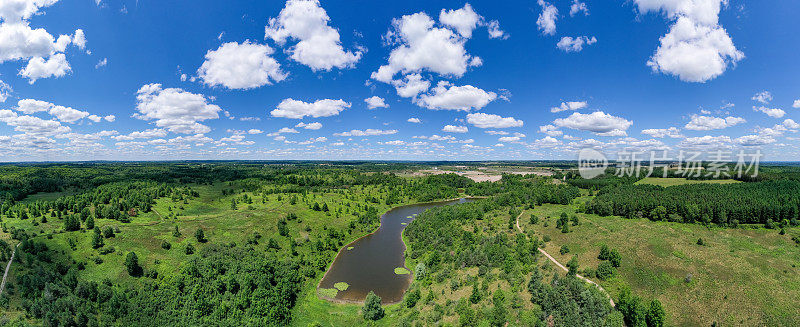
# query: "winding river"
368 263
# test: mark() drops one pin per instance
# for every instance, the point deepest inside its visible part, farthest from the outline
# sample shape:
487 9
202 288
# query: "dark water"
370 264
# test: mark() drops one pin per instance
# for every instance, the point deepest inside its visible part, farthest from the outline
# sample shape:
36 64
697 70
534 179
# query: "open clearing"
739 277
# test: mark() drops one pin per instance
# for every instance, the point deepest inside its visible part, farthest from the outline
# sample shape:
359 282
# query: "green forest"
246 244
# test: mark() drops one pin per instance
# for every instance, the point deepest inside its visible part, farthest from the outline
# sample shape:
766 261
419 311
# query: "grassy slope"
212 212
740 277
665 182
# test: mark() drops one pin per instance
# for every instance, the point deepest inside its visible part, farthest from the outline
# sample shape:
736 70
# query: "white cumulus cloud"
455 129
547 18
570 44
450 97
483 120
707 123
570 105
697 48
374 102
175 109
291 108
597 122
318 45
240 66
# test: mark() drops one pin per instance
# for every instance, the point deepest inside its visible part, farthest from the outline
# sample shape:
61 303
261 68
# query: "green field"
739 277
665 182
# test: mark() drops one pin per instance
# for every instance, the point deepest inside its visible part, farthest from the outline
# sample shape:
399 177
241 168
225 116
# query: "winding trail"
565 268
8 267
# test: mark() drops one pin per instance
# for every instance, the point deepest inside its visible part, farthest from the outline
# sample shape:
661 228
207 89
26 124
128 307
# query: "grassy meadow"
739 277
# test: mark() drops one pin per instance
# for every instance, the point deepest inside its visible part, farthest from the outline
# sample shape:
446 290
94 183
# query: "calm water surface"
369 263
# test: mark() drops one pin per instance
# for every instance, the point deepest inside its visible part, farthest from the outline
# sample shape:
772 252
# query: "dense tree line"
725 204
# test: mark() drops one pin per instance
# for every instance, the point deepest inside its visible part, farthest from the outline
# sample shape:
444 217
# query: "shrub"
605 270
372 309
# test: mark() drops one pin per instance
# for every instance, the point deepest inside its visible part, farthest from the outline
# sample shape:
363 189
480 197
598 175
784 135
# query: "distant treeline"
724 204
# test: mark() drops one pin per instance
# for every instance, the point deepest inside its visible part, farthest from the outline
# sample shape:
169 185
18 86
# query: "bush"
605 270
372 309
200 235
132 265
412 298
564 249
189 249
165 245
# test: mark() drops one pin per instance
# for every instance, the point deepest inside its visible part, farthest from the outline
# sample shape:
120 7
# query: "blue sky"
479 80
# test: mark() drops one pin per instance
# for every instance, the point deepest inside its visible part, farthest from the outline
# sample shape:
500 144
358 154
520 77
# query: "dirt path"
565 268
8 267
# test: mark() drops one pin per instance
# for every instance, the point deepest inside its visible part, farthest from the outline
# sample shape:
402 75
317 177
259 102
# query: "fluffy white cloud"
764 97
69 115
672 132
569 44
772 112
311 126
455 129
597 122
697 48
38 67
450 97
547 18
509 139
375 102
240 66
368 132
796 104
463 20
18 41
578 7
283 130
707 123
546 142
32 126
414 120
483 120
494 30
291 108
318 45
175 109
63 114
43 51
754 140
570 105
420 46
411 85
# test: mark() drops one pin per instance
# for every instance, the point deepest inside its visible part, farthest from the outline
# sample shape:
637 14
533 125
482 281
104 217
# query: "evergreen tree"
200 236
132 265
97 238
655 314
90 222
372 309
